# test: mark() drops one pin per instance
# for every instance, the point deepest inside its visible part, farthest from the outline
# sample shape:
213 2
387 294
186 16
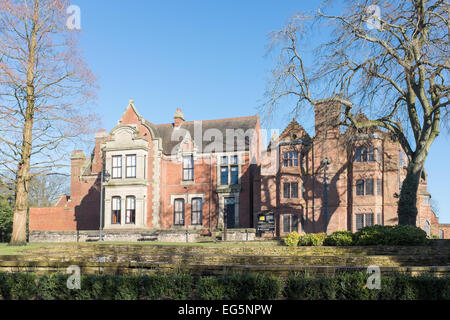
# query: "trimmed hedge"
240 286
339 238
343 286
351 286
368 236
390 235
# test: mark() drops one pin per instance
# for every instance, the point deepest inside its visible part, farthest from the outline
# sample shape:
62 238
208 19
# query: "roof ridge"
212 120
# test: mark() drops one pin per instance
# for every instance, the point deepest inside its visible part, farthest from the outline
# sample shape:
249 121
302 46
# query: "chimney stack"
327 115
178 118
97 162
78 160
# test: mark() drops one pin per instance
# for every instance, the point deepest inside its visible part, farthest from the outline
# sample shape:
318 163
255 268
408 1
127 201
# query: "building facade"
181 175
202 176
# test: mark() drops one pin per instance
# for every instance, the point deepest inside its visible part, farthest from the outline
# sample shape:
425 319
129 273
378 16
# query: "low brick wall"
181 235
241 234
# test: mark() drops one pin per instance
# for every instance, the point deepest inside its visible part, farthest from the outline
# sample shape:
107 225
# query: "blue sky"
205 57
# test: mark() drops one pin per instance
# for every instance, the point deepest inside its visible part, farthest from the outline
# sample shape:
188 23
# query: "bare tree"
45 190
44 88
389 58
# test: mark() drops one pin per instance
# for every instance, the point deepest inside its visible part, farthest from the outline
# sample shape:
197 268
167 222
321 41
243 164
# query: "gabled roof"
241 126
170 139
294 131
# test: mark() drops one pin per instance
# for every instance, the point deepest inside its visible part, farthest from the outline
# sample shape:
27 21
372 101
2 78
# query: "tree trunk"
407 204
19 235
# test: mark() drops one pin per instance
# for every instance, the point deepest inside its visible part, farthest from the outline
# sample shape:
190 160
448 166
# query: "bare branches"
44 90
39 61
397 72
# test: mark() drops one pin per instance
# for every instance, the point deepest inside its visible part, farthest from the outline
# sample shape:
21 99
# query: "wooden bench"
93 238
148 237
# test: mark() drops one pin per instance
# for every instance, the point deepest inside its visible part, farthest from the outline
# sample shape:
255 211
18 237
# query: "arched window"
130 217
197 208
178 217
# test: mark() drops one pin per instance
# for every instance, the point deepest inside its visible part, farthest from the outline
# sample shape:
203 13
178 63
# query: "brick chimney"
327 115
77 161
178 118
97 160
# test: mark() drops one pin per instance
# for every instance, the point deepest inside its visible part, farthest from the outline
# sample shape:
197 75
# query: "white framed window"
130 217
229 170
188 168
196 211
117 167
178 214
116 210
131 166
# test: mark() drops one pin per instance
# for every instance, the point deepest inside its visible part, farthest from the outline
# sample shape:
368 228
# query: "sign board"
266 222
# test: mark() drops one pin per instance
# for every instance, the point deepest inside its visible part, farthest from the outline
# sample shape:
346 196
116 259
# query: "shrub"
22 285
312 239
339 238
6 220
154 287
211 288
309 288
342 286
180 286
126 288
390 235
240 287
292 239
53 287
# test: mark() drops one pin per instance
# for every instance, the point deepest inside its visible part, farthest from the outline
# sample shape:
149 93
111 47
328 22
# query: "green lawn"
10 250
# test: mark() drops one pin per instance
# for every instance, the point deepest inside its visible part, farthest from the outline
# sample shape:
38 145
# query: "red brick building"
364 173
201 175
169 176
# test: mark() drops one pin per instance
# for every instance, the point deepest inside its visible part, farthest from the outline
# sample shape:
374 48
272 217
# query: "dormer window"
188 168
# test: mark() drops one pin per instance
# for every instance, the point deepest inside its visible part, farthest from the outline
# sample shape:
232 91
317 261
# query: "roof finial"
132 102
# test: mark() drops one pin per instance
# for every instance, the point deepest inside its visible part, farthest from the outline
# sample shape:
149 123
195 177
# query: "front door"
230 212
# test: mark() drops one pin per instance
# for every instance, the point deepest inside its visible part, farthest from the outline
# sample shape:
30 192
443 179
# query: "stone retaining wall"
136 268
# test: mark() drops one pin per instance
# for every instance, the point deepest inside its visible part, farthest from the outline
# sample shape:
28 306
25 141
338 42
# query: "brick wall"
52 219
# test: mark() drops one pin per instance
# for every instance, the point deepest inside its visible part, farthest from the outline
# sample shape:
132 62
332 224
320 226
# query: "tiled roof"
167 131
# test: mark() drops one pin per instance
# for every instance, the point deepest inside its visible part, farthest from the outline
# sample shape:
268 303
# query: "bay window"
117 167
130 217
116 210
131 166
